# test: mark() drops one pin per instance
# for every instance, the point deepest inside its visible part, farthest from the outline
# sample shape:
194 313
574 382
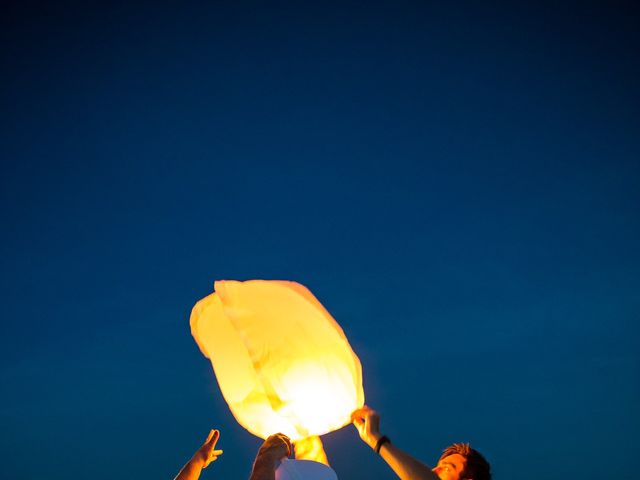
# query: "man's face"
450 468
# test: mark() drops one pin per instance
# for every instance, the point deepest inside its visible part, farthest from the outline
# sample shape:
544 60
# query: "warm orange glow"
282 362
310 448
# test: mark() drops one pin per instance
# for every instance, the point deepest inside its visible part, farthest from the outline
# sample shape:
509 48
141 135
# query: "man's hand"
367 421
207 452
275 448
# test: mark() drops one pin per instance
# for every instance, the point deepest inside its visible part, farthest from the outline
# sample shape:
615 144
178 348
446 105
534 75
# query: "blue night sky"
459 184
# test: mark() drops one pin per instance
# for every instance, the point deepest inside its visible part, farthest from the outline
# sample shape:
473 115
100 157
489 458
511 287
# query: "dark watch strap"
381 441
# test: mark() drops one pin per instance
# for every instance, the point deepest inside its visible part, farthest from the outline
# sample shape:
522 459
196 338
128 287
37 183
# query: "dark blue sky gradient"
459 185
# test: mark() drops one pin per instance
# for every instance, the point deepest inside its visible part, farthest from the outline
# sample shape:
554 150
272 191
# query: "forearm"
192 469
404 465
263 469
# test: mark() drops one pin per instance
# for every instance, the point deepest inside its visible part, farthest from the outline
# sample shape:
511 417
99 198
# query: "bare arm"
405 466
201 459
367 421
274 448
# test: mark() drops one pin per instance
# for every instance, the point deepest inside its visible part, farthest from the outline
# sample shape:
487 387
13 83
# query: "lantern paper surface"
282 362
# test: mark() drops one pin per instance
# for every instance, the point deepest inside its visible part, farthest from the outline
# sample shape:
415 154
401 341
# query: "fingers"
362 414
207 453
284 439
277 445
213 437
213 456
367 422
287 442
210 443
208 448
356 416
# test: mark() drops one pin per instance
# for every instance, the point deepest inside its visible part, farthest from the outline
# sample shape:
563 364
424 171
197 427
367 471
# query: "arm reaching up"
202 458
274 448
367 422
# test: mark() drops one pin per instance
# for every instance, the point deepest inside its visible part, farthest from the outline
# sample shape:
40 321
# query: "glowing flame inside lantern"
282 362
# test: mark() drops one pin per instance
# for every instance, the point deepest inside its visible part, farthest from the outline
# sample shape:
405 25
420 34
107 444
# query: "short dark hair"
475 466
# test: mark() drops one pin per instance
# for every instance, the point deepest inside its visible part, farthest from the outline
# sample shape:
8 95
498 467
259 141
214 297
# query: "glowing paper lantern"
282 362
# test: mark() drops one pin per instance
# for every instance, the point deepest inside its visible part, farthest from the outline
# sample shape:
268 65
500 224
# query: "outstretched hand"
367 422
207 452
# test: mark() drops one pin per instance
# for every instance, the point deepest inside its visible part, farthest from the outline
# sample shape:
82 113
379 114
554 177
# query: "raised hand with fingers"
367 422
207 452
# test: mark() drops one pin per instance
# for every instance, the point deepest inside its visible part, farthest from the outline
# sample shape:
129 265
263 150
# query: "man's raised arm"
367 422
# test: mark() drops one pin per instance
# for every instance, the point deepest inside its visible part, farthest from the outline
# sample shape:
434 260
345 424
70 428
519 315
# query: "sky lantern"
282 362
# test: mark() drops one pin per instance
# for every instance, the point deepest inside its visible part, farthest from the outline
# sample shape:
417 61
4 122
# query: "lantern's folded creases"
282 362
